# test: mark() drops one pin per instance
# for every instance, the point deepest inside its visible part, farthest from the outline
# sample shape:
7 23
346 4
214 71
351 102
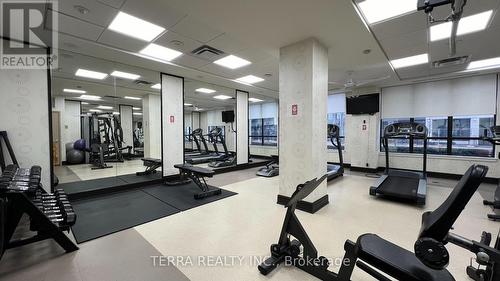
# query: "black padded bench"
198 175
151 165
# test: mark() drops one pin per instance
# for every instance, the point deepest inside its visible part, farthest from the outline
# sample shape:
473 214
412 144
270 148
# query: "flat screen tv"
365 104
228 116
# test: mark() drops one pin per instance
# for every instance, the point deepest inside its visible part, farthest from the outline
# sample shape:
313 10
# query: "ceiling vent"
207 53
142 82
450 62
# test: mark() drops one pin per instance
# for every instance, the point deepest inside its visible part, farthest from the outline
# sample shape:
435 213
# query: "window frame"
449 138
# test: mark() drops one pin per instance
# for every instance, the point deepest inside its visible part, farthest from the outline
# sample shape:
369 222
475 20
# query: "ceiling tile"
405 45
190 61
228 44
121 41
78 28
188 44
157 12
400 26
113 3
98 14
221 71
194 29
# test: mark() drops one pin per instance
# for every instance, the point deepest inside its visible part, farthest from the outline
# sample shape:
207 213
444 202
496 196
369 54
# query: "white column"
303 114
59 106
241 127
126 122
151 108
172 101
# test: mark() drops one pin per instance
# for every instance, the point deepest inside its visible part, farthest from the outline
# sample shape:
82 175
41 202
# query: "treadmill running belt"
401 187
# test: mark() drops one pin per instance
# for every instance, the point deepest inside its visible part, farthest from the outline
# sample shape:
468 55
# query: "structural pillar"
241 127
303 120
151 124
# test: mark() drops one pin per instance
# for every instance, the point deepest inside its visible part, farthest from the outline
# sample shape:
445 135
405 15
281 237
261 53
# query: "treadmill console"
333 130
406 130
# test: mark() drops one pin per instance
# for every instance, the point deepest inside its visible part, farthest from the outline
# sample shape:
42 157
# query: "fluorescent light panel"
73 91
135 27
469 24
205 90
125 75
84 103
90 97
116 113
484 64
410 61
91 74
136 108
254 100
249 79
105 107
232 62
95 110
156 86
159 52
222 97
137 113
188 104
132 98
375 11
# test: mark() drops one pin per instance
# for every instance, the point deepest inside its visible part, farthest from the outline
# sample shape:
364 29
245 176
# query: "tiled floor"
244 226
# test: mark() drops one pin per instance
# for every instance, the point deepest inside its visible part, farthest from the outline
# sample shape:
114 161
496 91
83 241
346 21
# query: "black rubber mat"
106 214
91 185
133 178
182 196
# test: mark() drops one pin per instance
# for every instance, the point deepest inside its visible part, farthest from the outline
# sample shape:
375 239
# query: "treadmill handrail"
409 134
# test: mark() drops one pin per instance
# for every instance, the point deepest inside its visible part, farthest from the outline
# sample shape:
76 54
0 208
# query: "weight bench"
151 165
197 175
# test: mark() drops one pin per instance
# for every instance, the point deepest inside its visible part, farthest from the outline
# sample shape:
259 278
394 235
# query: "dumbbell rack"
21 191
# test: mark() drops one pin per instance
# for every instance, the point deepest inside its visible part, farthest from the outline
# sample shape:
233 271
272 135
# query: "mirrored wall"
105 119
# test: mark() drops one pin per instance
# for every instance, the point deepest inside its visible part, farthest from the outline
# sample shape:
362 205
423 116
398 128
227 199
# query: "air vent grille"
208 53
450 62
142 82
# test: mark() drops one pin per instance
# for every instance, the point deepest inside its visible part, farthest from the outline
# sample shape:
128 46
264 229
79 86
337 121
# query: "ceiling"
114 90
256 30
408 35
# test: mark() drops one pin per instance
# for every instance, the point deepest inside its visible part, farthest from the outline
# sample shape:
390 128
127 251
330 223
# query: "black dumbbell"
67 218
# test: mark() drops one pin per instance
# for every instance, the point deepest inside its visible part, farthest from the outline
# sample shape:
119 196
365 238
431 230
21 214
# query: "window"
452 135
336 116
264 124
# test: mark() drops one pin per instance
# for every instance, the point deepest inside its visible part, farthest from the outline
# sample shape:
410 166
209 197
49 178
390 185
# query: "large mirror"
104 120
209 125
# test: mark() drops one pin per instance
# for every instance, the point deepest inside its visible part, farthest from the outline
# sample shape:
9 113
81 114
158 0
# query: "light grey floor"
243 225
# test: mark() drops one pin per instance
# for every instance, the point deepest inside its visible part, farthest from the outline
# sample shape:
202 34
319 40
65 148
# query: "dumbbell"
64 208
68 218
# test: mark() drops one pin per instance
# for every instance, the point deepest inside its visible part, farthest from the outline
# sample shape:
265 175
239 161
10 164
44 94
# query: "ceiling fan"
350 83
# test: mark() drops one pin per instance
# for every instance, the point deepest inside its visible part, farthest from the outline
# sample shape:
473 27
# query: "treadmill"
197 135
401 184
215 136
333 170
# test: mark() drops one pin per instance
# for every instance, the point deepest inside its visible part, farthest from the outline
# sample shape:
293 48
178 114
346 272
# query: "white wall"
214 118
24 114
260 150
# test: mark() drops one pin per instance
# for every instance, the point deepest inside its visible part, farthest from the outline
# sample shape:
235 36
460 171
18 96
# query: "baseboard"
364 170
310 207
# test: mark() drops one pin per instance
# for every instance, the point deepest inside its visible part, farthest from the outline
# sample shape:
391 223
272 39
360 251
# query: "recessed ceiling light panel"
254 100
374 11
74 91
156 86
135 27
232 62
125 75
132 98
222 97
484 64
136 108
91 74
107 107
90 97
159 52
249 79
205 91
410 61
466 25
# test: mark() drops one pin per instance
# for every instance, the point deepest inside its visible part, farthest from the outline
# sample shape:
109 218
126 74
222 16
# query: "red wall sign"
295 109
172 119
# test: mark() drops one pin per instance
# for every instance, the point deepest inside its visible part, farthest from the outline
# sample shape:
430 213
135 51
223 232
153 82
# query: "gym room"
250 140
